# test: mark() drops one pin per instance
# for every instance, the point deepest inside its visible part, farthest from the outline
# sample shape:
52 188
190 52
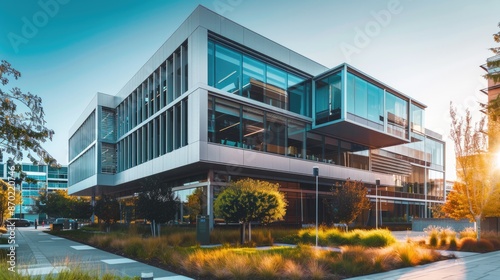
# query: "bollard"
146 275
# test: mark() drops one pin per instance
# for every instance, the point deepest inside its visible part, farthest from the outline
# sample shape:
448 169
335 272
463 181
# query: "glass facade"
83 167
367 103
365 100
160 135
242 126
167 82
83 137
235 71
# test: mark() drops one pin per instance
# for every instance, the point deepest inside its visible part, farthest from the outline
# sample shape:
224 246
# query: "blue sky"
67 50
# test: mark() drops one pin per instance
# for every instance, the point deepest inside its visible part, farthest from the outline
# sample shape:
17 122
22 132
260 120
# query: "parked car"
17 222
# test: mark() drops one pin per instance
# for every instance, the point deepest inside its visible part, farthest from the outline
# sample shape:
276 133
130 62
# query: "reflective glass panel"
253 129
253 78
227 69
275 134
296 132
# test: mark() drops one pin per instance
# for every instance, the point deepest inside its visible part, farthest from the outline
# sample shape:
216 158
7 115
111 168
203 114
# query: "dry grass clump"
303 262
468 232
470 244
442 237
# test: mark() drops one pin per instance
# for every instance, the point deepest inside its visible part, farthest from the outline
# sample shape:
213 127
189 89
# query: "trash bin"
74 225
66 224
203 229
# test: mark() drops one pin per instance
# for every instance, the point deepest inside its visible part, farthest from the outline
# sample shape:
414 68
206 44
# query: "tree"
475 195
494 75
156 203
107 209
21 129
347 201
249 200
55 204
60 204
195 204
8 199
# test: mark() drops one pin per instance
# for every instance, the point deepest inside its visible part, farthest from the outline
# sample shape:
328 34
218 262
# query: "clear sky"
67 50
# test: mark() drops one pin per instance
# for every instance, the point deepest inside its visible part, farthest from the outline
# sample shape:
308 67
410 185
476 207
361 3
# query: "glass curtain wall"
329 98
241 126
397 115
366 101
417 119
163 134
237 72
164 84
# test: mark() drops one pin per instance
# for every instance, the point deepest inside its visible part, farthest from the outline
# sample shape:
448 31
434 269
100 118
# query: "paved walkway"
40 253
467 266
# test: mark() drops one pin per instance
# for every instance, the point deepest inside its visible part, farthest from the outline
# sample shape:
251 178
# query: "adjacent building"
37 178
218 102
493 92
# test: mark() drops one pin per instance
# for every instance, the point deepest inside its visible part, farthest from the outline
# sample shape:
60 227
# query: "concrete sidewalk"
40 253
467 266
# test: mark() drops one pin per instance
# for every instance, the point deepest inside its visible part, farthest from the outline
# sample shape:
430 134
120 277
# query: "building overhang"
356 133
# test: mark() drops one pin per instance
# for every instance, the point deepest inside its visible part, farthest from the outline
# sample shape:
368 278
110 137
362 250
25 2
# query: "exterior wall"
456 225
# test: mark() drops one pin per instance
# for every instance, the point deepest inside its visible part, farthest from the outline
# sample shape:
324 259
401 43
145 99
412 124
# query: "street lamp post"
377 183
316 174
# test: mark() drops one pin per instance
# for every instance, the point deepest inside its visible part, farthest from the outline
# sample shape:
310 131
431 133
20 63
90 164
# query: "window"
227 69
276 134
329 98
226 123
417 119
253 78
253 129
236 72
108 158
397 115
296 133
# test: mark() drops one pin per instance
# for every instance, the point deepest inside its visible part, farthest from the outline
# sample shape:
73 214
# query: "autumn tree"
195 203
347 201
22 121
8 199
249 200
475 194
156 203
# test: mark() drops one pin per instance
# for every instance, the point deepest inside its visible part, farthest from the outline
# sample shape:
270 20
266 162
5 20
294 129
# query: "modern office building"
218 102
56 178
